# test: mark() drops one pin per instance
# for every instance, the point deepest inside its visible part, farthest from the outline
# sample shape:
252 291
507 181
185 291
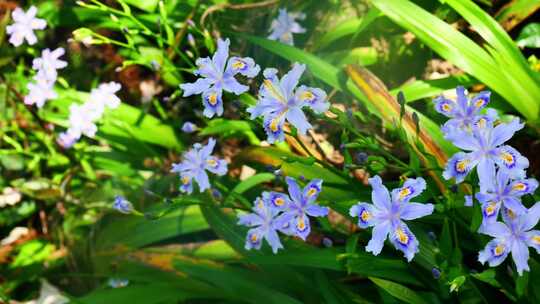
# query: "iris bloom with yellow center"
486 151
264 222
463 111
514 236
285 25
500 190
195 163
387 214
218 75
280 100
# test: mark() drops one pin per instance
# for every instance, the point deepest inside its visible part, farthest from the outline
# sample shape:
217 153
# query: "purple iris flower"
486 150
264 223
196 162
499 190
514 236
280 100
218 75
285 25
464 111
297 206
387 213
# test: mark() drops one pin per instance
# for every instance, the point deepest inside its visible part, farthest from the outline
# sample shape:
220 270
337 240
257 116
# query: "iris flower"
285 25
24 25
280 100
464 111
514 236
39 92
196 162
387 214
48 63
486 149
499 190
264 223
298 205
218 75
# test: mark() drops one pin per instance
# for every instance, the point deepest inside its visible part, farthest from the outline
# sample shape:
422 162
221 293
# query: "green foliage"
381 63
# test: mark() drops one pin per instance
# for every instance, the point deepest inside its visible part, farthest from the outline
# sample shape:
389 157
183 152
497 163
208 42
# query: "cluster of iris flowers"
501 174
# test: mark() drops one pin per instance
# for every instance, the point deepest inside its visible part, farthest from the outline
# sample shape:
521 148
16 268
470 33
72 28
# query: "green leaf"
399 291
136 231
515 82
487 276
227 127
529 36
145 5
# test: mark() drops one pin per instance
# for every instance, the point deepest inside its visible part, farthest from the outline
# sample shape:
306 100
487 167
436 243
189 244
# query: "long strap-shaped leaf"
389 110
498 67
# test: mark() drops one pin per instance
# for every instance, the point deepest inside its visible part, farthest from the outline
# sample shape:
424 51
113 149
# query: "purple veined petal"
278 200
289 82
213 103
496 230
486 172
316 210
222 53
380 196
523 186
533 239
245 66
273 240
186 184
459 166
479 101
298 119
285 223
531 218
411 211
490 210
445 106
504 131
509 159
206 150
468 201
295 192
250 220
462 100
266 107
463 140
378 236
494 253
411 188
230 84
202 180
207 69
254 239
302 226
404 240
366 214
514 204
314 98
197 87
520 255
312 190
273 125
216 166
